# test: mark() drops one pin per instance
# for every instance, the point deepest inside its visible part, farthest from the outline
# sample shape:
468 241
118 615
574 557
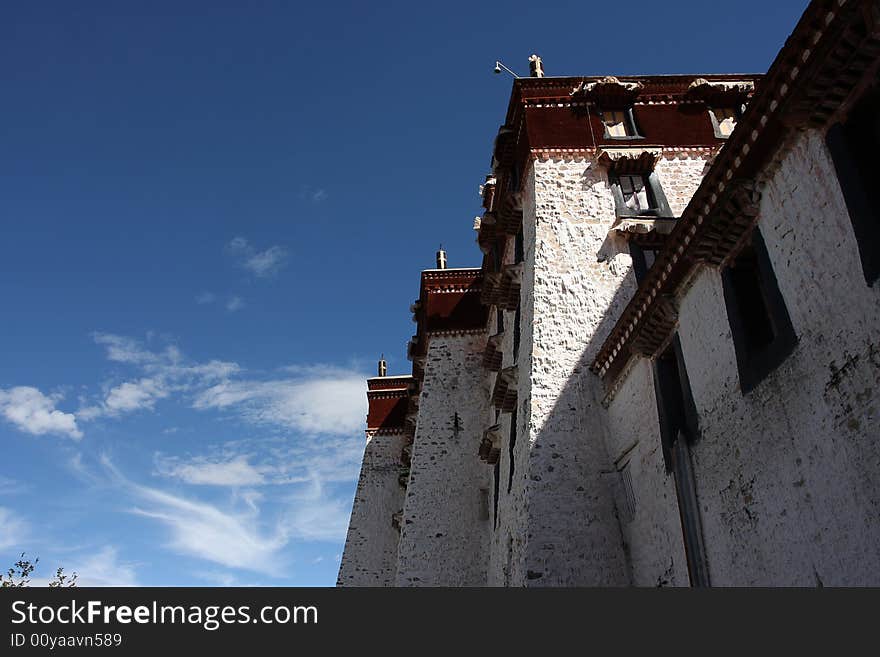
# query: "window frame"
654 192
848 146
629 123
640 257
676 408
737 110
755 363
679 429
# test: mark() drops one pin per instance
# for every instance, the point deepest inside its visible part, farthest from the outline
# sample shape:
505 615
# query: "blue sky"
213 217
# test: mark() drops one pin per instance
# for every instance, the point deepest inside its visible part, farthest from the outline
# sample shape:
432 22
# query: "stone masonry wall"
788 475
508 528
446 520
370 554
559 525
652 533
576 282
680 173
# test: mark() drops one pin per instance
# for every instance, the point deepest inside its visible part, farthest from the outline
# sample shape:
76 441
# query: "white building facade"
665 371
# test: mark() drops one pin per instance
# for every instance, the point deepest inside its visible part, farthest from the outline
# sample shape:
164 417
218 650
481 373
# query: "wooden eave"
832 50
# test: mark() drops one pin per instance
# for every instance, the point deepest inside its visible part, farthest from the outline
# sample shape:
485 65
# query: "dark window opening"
518 248
628 498
675 404
620 124
499 320
724 119
513 180
678 428
495 503
763 335
854 146
517 321
511 444
642 259
639 195
496 257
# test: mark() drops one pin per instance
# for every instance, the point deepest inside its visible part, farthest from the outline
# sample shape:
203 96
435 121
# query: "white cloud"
329 402
167 372
235 472
219 578
14 530
313 194
135 395
312 399
103 568
260 263
213 370
10 486
234 304
124 350
128 397
35 413
317 517
202 530
206 297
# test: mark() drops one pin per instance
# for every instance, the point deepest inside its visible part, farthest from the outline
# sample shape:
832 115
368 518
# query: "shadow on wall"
564 485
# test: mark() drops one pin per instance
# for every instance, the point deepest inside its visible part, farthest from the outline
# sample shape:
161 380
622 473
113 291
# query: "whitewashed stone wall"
446 521
680 173
788 476
370 554
559 525
652 535
508 529
576 282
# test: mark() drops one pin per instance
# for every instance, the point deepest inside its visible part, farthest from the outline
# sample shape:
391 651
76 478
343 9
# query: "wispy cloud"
126 350
313 194
234 304
103 568
219 578
14 530
313 400
205 298
262 264
33 412
10 486
167 371
315 516
234 539
135 395
310 399
233 472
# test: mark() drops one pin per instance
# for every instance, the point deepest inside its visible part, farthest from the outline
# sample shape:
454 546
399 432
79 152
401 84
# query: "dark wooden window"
724 119
642 260
678 428
639 195
517 321
763 335
511 445
513 180
620 123
495 501
854 146
497 256
628 497
675 404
